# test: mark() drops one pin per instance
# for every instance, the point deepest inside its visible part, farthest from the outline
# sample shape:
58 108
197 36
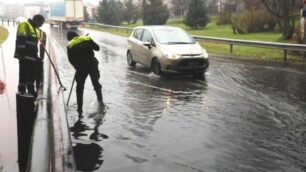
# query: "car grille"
191 55
192 62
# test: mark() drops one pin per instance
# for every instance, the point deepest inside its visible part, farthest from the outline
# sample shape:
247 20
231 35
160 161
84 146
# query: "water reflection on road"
241 117
88 154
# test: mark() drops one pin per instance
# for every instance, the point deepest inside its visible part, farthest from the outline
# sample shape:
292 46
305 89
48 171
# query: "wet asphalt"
8 87
241 117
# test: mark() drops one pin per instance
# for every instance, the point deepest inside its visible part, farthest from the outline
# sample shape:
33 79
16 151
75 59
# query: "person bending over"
80 51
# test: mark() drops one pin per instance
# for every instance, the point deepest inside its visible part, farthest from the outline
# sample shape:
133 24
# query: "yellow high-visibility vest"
77 40
26 29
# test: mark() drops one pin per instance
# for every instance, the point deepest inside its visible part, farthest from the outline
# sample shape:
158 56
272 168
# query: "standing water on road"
241 117
8 89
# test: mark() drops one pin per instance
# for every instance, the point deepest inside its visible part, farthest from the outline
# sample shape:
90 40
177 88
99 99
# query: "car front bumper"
186 66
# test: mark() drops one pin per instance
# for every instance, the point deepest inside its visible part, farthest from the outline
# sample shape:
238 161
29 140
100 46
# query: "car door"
145 51
135 44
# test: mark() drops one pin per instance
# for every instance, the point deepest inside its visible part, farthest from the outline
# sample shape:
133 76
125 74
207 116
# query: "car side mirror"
148 44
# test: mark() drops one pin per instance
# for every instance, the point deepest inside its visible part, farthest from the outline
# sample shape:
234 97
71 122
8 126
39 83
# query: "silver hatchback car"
166 49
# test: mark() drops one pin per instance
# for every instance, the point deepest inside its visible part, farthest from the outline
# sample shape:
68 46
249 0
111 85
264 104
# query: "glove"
39 60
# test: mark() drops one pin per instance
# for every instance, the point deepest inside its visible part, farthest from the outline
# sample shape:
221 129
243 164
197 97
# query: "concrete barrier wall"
51 148
63 154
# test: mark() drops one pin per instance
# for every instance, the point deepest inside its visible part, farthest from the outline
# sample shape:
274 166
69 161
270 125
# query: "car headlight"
205 54
172 56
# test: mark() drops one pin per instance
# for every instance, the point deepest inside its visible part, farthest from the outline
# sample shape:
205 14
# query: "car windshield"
172 36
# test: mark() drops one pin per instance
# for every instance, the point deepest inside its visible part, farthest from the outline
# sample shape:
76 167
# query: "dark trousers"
27 76
38 73
92 70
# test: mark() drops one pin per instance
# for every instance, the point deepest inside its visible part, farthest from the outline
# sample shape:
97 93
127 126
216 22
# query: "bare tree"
155 12
131 11
179 7
286 12
213 6
230 6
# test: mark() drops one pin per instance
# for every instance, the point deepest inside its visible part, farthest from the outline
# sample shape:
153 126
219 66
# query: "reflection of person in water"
96 134
88 156
80 127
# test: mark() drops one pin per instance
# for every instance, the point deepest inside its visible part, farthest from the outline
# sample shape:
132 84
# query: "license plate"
191 64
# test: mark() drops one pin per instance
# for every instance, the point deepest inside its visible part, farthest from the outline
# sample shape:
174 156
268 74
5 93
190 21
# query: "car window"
147 37
172 36
137 34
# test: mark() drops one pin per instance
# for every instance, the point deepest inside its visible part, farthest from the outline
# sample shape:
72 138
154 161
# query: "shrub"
253 21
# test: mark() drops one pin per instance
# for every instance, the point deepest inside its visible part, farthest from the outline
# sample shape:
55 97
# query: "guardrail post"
304 57
231 48
285 56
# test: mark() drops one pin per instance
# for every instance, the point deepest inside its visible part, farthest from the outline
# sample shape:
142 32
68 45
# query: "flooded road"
8 89
241 117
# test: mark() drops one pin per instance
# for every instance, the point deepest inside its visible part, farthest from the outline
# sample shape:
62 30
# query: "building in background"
36 8
12 11
1 10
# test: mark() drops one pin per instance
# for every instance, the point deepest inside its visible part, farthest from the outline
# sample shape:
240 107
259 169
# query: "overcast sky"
46 1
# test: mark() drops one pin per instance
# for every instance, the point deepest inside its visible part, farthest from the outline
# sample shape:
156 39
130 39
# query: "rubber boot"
80 102
32 91
21 89
100 97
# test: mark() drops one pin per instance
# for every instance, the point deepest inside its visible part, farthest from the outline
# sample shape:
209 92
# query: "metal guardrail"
281 46
274 45
99 25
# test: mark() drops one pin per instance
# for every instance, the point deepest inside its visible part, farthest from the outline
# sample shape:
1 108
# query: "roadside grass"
3 34
225 31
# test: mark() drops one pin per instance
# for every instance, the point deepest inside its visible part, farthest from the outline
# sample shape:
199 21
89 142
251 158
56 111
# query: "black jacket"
81 54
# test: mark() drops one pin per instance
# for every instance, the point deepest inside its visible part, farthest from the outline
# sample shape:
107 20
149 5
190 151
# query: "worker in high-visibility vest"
26 50
82 57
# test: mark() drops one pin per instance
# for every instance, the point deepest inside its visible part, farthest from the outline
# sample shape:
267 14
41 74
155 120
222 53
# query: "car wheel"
155 67
130 60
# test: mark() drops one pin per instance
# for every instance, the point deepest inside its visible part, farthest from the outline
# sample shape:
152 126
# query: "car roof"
153 27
